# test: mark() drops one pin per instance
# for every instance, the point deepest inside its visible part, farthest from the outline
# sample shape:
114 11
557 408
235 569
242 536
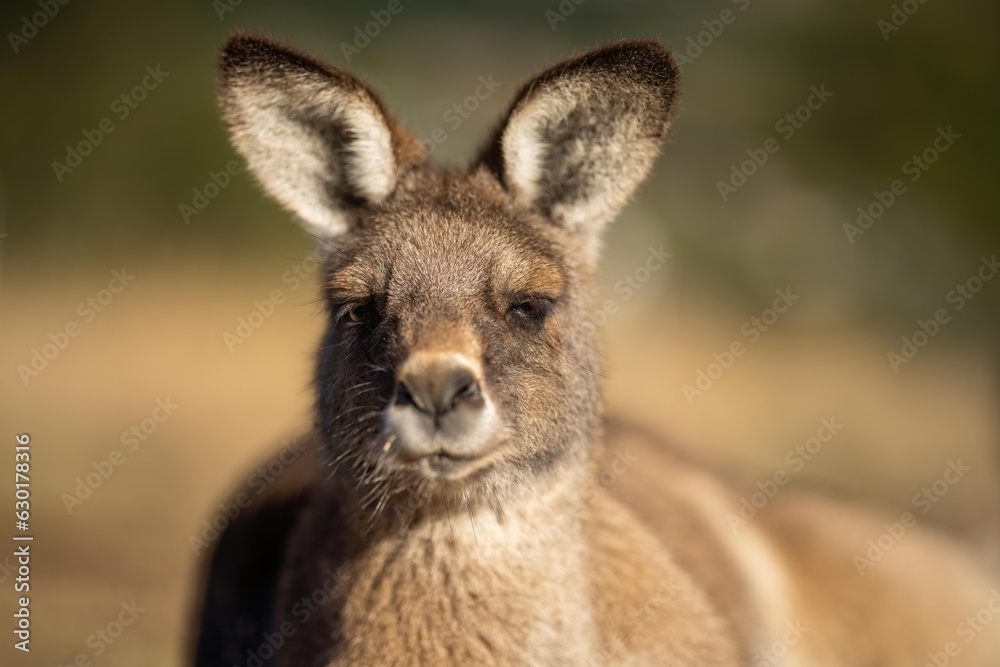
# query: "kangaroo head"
458 358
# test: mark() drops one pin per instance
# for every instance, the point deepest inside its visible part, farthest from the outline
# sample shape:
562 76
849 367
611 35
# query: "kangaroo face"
458 358
454 333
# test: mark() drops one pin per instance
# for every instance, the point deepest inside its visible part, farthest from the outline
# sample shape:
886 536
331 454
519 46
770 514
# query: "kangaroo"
463 501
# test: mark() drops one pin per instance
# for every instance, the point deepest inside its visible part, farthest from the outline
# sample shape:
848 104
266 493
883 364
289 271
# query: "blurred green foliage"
785 226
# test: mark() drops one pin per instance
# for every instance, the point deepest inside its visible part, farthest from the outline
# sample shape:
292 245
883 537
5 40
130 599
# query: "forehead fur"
450 232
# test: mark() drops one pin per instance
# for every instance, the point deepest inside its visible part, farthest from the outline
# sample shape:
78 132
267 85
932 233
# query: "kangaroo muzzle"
440 412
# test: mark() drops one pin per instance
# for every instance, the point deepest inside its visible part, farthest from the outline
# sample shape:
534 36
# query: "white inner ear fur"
371 163
523 150
306 169
618 158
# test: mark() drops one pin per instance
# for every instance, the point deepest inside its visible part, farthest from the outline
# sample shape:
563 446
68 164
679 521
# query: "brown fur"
523 553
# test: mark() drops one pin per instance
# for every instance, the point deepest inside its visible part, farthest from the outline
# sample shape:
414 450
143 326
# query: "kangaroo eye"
355 313
529 310
359 312
526 308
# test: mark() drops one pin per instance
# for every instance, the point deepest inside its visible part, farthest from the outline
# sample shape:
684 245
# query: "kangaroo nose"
436 384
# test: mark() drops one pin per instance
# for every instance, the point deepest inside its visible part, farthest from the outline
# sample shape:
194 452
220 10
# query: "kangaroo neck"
514 569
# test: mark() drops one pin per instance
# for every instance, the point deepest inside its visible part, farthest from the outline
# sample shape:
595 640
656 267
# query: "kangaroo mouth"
447 467
442 462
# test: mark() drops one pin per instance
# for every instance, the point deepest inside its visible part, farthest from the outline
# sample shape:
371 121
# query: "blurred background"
140 352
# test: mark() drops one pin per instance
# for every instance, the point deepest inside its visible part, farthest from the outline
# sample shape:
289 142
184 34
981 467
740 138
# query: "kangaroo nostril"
467 390
405 397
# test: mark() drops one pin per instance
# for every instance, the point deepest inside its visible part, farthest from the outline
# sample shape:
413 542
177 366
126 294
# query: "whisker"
472 523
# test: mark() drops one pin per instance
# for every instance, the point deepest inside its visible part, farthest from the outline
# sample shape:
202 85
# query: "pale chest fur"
474 588
550 581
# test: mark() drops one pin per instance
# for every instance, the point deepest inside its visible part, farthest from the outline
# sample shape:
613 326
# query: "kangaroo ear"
315 137
581 137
